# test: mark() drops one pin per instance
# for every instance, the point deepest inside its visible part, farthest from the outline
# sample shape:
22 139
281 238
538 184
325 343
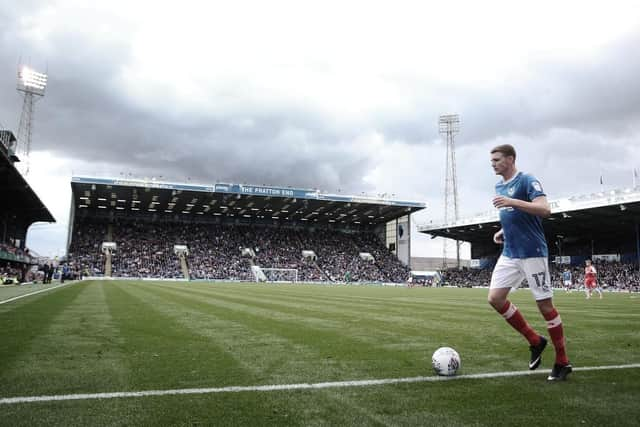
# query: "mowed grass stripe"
386 317
327 316
290 293
597 332
16 292
161 351
359 297
419 303
412 354
24 323
371 327
76 352
189 332
413 331
485 347
357 304
416 324
352 297
483 333
269 356
336 352
309 310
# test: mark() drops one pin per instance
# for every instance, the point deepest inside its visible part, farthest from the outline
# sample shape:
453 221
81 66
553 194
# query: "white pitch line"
287 387
37 292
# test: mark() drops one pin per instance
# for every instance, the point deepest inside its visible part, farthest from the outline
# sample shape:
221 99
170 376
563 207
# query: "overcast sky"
330 95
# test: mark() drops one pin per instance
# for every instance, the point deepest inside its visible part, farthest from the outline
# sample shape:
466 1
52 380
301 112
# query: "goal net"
288 275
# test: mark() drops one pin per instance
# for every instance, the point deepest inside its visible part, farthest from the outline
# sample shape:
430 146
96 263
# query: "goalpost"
283 275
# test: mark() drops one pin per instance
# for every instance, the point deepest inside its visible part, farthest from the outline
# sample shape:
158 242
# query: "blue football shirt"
523 232
566 275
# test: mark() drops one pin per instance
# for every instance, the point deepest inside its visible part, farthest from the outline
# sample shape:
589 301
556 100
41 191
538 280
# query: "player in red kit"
590 281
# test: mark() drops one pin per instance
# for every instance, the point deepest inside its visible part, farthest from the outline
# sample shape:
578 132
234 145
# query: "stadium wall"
435 263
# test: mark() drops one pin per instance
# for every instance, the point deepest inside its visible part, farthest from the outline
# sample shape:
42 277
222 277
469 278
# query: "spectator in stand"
215 252
616 276
466 277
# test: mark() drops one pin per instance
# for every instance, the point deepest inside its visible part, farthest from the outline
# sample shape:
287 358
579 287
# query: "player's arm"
499 237
538 206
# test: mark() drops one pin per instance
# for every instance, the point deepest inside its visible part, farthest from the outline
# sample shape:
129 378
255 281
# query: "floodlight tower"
449 126
32 85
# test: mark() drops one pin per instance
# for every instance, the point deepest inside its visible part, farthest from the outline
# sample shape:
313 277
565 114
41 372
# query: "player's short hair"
505 149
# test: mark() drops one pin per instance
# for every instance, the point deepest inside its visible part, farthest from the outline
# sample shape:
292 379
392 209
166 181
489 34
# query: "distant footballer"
590 279
567 280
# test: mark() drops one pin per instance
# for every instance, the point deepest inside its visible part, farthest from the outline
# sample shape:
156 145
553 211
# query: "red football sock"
554 326
513 316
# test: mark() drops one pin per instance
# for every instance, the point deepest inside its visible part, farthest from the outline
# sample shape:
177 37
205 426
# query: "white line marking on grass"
288 387
37 292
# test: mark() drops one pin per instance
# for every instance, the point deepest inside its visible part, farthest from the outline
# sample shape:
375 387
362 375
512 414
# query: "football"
445 361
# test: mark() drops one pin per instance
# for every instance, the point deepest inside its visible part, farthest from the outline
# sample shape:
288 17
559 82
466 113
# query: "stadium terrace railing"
8 256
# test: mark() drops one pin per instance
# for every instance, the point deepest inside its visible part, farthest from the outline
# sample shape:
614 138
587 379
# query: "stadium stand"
615 276
621 276
21 207
466 277
215 252
234 229
599 223
603 226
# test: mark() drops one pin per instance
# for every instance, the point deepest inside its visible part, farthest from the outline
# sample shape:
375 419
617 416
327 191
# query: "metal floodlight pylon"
449 126
32 84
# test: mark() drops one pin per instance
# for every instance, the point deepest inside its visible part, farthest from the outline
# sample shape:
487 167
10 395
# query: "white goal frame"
291 275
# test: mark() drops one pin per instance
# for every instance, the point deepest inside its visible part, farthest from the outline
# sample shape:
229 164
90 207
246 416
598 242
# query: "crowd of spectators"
85 247
466 277
216 252
147 251
611 275
339 256
10 274
14 250
12 269
622 276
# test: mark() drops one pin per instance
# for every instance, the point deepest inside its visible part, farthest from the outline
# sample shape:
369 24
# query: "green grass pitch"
112 336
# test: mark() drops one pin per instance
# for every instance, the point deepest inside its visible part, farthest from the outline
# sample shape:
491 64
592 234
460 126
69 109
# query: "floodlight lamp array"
449 123
31 81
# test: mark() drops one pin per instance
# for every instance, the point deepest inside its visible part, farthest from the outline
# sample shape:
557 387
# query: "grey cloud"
599 94
86 117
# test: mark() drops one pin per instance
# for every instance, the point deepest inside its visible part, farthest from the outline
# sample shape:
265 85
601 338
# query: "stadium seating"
85 247
215 252
611 275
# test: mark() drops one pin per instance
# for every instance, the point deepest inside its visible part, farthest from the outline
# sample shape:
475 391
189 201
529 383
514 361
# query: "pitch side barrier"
309 282
170 279
304 282
150 279
164 279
